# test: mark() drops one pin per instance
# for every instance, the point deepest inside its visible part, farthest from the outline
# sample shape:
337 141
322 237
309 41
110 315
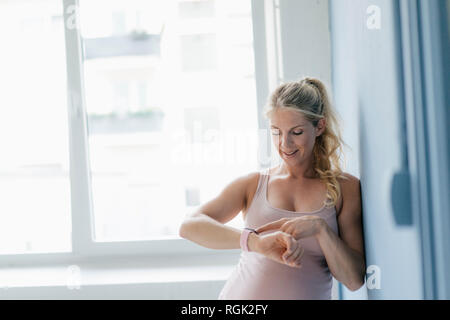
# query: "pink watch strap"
244 238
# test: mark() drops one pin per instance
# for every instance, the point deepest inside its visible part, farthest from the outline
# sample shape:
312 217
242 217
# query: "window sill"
189 277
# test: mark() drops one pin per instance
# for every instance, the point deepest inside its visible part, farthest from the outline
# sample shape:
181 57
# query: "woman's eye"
298 133
275 133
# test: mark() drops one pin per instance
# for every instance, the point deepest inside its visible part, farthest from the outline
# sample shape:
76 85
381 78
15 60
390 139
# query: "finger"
271 226
295 256
290 242
287 256
289 228
295 262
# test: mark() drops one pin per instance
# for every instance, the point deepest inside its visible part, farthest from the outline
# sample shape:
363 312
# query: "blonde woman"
302 217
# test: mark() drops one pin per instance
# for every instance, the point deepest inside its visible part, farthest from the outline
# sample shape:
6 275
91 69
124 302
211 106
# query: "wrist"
253 241
321 228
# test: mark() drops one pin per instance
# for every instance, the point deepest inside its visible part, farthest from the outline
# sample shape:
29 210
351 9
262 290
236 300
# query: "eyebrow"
289 129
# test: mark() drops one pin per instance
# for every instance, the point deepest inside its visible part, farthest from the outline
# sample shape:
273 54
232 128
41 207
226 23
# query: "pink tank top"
259 278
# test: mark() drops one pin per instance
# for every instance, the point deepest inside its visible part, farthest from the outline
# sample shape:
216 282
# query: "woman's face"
293 135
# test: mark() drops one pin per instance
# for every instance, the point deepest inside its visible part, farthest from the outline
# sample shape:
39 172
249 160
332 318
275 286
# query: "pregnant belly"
257 277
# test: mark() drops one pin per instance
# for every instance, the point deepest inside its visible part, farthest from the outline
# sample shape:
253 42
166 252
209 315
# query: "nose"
285 142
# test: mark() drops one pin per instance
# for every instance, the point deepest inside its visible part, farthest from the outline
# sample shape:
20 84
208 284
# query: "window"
197 121
151 132
196 9
153 75
198 52
35 205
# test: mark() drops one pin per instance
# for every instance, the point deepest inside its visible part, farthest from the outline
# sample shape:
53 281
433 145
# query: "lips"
290 153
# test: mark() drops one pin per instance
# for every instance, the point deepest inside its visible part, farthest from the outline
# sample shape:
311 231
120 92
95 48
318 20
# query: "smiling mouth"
289 154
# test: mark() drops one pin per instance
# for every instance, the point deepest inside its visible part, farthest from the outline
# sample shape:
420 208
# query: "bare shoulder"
245 185
251 182
231 200
244 182
348 180
350 191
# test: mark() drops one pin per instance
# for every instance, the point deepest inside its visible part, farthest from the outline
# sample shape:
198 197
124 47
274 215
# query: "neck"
299 171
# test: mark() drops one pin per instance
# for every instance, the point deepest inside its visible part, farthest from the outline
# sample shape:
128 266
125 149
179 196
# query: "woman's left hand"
299 227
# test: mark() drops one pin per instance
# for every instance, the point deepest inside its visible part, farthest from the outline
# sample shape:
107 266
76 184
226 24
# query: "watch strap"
244 238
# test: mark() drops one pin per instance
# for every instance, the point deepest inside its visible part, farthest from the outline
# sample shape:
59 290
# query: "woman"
303 216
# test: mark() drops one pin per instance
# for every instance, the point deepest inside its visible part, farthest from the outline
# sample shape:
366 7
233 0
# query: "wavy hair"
309 97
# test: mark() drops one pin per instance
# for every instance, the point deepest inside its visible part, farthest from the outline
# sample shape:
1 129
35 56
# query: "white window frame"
82 236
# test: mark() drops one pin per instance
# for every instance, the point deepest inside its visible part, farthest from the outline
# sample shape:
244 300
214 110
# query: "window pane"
198 52
34 165
196 9
171 107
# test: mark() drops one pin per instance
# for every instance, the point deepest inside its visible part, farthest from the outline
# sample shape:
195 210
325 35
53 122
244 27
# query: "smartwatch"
244 238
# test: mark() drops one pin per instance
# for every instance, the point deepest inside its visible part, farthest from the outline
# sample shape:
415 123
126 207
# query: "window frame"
83 231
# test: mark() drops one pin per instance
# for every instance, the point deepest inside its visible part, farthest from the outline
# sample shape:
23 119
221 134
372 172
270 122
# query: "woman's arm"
206 226
278 246
207 232
345 253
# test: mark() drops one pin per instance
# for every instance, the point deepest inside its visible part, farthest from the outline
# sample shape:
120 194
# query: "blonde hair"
309 97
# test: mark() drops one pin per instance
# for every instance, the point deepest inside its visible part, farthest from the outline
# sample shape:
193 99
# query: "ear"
321 125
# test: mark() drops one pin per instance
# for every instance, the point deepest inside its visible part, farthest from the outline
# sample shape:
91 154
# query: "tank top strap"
262 183
253 210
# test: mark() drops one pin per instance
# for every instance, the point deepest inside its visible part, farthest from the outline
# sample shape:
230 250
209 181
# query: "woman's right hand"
280 247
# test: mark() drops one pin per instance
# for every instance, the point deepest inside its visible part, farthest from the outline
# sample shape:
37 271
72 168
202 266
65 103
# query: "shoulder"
252 178
245 181
250 184
350 191
348 180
